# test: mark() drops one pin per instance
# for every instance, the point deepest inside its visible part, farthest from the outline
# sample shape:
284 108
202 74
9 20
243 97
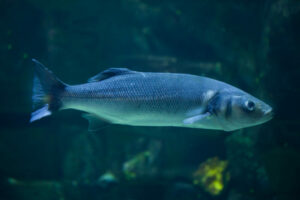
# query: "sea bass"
123 96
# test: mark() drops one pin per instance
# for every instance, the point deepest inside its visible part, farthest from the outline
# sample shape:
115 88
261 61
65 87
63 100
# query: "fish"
126 97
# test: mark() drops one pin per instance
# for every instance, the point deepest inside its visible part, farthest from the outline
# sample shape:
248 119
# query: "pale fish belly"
143 100
142 113
138 113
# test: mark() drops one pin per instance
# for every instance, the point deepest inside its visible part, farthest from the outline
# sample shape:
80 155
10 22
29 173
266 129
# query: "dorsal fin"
110 73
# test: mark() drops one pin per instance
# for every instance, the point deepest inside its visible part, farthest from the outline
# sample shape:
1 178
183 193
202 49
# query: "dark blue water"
253 45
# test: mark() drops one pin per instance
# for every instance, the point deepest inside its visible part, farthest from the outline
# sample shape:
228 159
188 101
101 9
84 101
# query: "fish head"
243 110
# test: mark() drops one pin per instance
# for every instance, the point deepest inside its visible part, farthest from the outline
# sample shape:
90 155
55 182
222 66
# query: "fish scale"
122 96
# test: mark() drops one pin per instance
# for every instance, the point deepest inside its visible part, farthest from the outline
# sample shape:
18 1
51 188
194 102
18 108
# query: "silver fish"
122 96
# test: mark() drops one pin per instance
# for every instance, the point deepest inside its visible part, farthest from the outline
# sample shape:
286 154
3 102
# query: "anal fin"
95 123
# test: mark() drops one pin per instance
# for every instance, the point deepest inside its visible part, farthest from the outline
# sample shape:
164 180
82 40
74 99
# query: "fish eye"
250 105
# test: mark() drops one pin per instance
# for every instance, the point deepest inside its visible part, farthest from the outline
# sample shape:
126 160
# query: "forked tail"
47 89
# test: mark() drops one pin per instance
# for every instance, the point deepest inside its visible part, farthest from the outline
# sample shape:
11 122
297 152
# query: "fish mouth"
268 114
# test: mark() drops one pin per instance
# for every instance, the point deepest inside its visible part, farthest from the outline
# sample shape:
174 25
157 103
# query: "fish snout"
268 112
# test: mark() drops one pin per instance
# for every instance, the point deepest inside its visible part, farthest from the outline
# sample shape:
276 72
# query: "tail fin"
47 90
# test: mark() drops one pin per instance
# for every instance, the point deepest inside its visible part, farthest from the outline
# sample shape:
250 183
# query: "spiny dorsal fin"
110 73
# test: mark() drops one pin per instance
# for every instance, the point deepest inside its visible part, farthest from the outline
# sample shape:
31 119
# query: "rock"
84 159
246 169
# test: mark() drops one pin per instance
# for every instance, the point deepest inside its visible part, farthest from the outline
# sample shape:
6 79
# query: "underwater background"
253 45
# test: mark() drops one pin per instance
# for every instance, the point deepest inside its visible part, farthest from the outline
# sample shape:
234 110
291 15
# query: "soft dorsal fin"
110 73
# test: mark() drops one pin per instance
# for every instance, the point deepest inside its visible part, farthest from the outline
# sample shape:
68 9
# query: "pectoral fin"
95 123
196 118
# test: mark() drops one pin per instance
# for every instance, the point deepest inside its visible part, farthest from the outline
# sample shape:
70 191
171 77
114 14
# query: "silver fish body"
122 96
